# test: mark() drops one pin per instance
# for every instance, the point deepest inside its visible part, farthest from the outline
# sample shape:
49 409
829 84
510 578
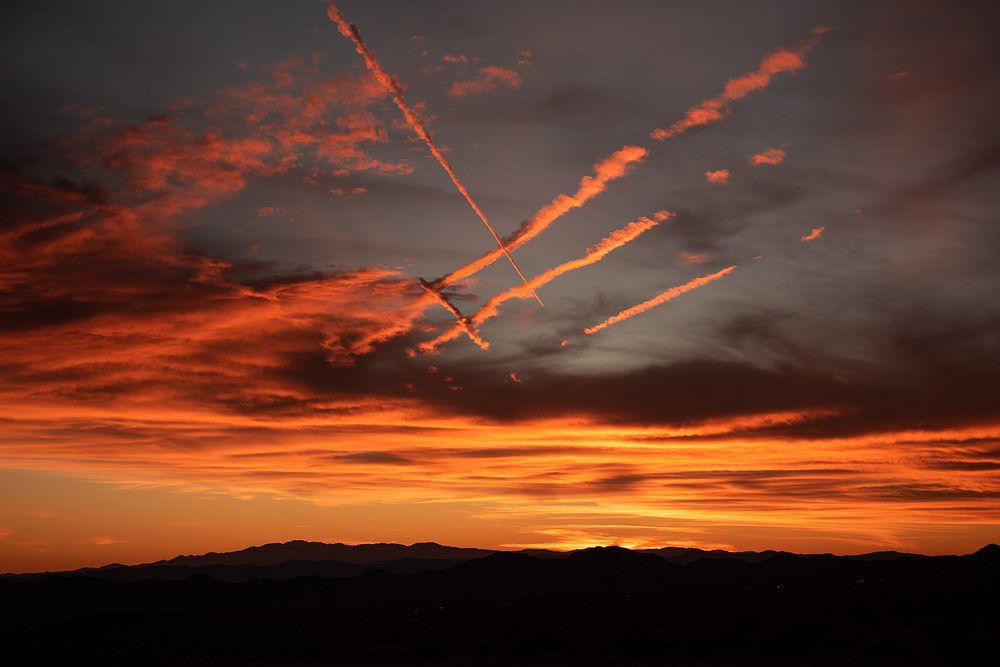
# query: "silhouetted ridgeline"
429 604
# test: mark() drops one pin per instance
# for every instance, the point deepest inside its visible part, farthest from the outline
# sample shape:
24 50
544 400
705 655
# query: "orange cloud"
720 176
657 300
486 80
714 109
771 156
178 313
162 169
813 235
322 116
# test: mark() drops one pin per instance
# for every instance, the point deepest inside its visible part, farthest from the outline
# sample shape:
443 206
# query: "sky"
242 300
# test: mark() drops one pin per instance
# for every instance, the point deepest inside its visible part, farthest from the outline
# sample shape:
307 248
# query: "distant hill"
685 555
300 550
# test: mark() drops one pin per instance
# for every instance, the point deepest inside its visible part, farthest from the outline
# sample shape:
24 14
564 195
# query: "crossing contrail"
351 32
461 321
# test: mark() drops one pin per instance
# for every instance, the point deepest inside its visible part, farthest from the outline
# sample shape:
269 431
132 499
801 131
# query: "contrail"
351 32
661 298
610 168
595 254
714 109
461 321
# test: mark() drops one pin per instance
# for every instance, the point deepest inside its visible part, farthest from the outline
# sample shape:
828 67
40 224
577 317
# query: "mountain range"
428 604
296 558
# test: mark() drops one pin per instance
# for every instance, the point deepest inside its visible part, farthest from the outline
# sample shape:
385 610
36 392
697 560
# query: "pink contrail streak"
709 111
661 298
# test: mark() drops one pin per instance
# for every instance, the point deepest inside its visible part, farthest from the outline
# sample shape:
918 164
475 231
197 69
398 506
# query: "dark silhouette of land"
310 603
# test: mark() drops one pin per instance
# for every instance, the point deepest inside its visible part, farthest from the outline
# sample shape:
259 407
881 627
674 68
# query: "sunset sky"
766 236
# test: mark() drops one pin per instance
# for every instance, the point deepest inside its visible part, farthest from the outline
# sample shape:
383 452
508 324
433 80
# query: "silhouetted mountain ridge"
276 553
287 560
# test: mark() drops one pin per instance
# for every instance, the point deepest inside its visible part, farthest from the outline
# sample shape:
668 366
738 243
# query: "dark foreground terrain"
602 606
